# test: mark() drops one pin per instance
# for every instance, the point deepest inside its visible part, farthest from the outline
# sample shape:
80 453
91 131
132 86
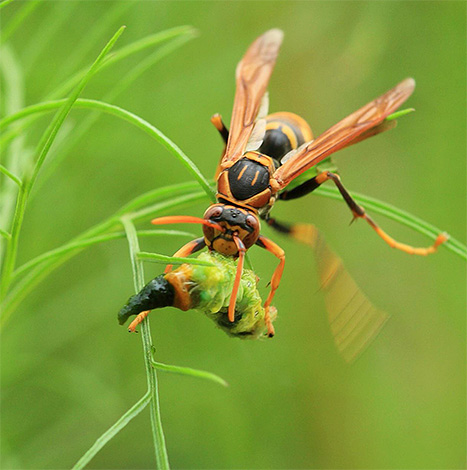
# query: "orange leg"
277 251
359 212
216 119
188 249
238 277
139 318
224 132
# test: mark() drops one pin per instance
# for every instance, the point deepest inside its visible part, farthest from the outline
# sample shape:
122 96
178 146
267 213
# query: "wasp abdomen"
284 132
247 178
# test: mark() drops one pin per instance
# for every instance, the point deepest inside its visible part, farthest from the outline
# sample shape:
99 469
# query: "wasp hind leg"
216 119
359 212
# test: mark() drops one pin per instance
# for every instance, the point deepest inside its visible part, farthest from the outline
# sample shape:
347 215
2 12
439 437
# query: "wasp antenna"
185 219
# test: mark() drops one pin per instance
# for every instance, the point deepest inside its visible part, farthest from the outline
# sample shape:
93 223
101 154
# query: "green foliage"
23 173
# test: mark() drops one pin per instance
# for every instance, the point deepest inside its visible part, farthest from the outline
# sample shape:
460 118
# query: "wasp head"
228 222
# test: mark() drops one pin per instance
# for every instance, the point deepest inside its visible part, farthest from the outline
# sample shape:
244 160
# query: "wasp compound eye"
213 212
252 222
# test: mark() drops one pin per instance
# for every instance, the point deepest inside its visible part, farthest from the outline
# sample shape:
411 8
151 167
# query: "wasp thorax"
233 222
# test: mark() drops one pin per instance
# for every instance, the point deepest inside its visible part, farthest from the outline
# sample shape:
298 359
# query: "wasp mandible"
264 153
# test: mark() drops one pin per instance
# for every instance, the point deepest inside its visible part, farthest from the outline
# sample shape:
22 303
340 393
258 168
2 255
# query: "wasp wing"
345 133
252 77
353 319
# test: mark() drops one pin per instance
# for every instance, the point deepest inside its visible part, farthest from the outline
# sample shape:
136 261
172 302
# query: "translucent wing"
353 128
353 319
252 77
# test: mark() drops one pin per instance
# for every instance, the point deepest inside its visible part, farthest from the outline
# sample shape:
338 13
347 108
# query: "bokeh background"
69 370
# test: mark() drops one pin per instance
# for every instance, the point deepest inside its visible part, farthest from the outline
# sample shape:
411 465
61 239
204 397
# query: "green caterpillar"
207 289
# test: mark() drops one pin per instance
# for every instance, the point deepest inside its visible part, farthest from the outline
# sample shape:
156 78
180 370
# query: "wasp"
264 153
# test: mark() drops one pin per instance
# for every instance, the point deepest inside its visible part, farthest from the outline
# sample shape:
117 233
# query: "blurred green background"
69 370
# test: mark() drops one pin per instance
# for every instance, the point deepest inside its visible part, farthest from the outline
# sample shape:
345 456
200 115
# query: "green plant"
18 281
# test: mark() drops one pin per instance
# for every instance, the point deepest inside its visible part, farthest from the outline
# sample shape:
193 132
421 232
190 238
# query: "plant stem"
202 374
127 116
156 423
134 411
41 153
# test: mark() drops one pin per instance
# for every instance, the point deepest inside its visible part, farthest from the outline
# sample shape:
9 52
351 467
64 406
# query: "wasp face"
235 222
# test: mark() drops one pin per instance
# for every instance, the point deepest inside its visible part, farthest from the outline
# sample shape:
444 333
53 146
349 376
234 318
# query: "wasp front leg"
277 251
359 212
186 250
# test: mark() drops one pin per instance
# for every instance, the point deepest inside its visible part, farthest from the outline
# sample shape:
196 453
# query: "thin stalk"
123 53
164 259
134 411
4 3
10 175
80 244
41 153
124 82
202 374
16 21
126 116
162 460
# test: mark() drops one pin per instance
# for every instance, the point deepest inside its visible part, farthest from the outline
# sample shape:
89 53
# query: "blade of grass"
15 22
123 53
132 119
202 374
58 13
4 234
163 259
134 411
41 153
93 36
61 152
162 460
4 3
132 48
10 175
17 155
80 244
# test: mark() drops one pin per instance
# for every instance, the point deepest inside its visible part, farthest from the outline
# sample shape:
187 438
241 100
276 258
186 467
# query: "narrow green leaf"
132 119
80 244
5 234
120 85
4 3
10 175
163 259
399 114
160 449
41 152
124 52
15 22
134 411
202 374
